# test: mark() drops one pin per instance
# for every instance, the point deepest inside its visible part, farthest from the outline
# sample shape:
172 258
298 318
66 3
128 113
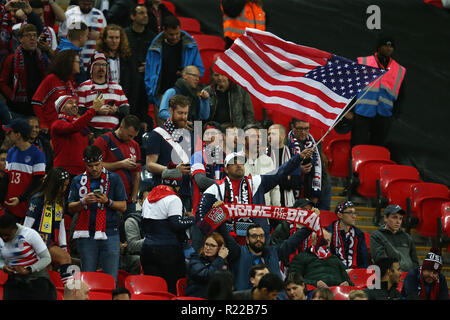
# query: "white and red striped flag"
301 81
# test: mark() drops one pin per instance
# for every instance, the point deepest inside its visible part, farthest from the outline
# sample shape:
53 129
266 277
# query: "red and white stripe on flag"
282 75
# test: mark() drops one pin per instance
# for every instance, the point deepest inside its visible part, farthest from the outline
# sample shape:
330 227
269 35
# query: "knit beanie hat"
61 101
171 176
433 260
98 57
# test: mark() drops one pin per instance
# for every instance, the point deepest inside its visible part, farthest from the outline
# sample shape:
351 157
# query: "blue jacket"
190 56
411 285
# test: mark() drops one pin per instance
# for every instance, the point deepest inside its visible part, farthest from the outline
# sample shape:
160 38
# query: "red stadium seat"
143 284
327 217
367 239
187 298
55 277
445 219
3 278
170 6
121 276
342 292
368 174
97 281
190 25
359 277
337 149
310 287
181 286
361 153
210 48
426 203
99 295
395 181
153 295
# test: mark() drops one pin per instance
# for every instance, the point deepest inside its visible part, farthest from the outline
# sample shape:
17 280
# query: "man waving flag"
303 82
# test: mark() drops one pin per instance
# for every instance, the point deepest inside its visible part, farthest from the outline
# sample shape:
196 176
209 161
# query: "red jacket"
50 89
69 142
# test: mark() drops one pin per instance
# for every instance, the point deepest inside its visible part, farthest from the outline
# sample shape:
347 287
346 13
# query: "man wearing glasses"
311 178
347 241
187 86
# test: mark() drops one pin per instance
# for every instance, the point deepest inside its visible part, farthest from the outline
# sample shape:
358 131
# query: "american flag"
301 81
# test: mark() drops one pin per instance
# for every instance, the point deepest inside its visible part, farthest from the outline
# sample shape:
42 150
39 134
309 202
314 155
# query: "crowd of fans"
103 165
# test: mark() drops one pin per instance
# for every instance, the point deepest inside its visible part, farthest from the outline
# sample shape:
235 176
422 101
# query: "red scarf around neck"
160 192
82 226
434 292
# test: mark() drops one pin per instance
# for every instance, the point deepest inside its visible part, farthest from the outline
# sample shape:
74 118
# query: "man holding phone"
116 103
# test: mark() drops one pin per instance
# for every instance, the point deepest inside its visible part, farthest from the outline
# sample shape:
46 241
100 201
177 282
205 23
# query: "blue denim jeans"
103 254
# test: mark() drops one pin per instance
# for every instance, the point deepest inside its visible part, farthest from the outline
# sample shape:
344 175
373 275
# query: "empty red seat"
190 25
361 153
153 295
210 48
337 149
368 174
97 281
142 284
327 217
342 292
445 219
361 277
99 295
426 204
395 181
170 6
181 286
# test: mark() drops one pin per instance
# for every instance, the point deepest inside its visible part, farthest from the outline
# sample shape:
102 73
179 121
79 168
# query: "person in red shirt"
69 134
59 82
122 155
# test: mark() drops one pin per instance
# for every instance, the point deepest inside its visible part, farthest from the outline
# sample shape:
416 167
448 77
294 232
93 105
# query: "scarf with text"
434 291
52 212
20 93
218 215
238 226
289 197
82 226
316 184
349 258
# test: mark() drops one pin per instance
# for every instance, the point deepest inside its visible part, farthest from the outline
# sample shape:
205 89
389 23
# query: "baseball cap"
393 208
18 125
300 203
229 159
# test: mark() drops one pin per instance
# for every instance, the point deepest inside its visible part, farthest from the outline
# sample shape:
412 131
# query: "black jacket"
383 293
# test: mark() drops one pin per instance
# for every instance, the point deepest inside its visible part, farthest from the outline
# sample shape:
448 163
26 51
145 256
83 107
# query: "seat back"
338 151
55 278
190 25
142 284
326 218
170 6
187 298
369 173
445 216
361 153
360 277
99 295
181 286
342 292
393 172
153 295
398 191
426 204
97 281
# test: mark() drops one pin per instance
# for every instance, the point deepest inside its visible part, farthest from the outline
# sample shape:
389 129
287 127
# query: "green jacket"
331 271
240 105
385 244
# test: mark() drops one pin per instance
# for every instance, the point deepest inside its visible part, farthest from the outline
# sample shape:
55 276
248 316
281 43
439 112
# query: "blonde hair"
357 294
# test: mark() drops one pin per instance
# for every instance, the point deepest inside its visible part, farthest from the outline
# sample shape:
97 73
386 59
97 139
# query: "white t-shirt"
24 249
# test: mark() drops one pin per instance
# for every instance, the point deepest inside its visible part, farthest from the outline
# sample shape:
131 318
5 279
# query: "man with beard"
93 18
255 251
390 277
170 143
426 282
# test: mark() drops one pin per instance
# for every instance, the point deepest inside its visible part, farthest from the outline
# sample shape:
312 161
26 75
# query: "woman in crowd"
46 215
202 265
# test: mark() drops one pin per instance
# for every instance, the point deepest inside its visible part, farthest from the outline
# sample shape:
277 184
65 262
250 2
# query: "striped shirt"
87 91
24 249
95 20
21 166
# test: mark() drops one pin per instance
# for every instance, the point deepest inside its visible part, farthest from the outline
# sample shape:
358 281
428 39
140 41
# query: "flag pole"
344 114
